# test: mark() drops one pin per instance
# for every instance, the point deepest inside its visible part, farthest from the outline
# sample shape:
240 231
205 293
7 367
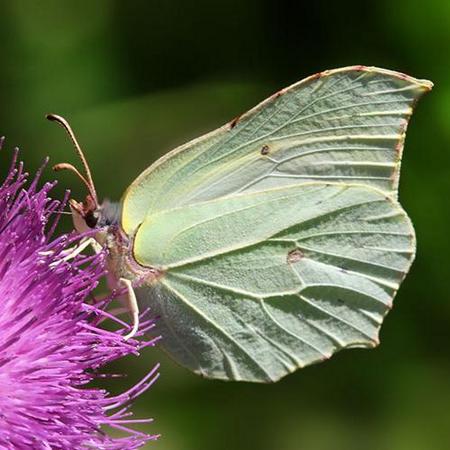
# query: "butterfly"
276 240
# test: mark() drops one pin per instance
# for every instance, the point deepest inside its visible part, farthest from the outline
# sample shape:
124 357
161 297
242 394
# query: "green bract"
278 238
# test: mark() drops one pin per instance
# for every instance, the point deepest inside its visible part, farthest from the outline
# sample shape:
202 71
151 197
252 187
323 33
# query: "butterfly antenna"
67 166
88 181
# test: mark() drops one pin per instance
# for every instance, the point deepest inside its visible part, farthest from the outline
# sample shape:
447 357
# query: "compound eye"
91 219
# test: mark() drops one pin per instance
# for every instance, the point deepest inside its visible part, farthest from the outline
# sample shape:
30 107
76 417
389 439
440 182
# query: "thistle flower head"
51 341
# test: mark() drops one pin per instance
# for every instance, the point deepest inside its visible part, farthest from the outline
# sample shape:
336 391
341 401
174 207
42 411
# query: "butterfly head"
85 215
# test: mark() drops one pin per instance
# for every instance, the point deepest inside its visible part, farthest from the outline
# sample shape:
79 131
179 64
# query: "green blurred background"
137 78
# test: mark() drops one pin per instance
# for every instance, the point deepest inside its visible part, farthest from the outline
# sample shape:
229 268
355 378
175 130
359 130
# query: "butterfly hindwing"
257 285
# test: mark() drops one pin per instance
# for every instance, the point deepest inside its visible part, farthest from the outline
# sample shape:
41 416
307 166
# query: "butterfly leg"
132 303
133 307
75 251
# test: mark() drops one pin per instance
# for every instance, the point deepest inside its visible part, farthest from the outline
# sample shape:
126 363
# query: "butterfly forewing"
345 125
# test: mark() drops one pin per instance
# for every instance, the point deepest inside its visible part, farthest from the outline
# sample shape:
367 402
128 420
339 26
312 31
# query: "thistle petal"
52 343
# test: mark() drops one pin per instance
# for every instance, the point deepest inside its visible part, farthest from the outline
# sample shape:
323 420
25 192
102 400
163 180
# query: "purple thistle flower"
51 344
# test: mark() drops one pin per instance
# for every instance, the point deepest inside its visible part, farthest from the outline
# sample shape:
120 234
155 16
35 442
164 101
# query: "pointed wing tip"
426 84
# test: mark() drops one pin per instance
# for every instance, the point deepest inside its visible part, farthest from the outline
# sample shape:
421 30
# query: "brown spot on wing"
316 75
235 121
294 256
401 132
277 95
265 150
402 76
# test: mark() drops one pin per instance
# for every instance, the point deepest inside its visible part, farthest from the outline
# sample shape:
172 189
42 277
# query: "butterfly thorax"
105 219
120 262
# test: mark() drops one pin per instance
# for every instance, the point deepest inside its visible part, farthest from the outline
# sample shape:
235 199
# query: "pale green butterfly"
276 240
